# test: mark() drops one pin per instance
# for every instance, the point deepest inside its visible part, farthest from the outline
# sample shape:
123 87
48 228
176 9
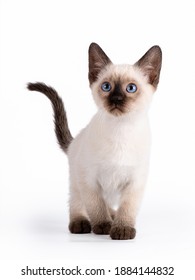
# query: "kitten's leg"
123 226
79 222
112 213
98 211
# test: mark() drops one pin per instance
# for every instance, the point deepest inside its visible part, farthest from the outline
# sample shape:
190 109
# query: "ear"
97 61
150 64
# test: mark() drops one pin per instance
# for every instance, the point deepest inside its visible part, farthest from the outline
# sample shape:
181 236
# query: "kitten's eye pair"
131 88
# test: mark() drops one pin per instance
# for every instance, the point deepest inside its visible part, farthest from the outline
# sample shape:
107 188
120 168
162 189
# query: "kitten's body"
104 159
109 158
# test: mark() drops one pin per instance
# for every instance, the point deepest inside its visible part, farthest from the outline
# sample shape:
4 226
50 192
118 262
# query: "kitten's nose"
116 98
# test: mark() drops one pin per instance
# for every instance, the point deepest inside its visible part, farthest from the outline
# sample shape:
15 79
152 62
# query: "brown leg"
123 226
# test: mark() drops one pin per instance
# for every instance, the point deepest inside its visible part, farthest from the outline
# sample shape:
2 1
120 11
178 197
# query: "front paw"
80 225
122 233
102 228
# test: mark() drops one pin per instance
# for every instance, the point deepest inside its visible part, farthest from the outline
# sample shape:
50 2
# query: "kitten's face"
121 89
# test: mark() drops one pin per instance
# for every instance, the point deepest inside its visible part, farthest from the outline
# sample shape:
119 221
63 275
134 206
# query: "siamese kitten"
109 158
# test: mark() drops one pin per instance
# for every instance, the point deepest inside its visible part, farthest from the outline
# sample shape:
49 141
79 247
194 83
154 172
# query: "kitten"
109 158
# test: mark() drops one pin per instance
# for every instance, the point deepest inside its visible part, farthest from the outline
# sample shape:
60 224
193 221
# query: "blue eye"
106 87
131 88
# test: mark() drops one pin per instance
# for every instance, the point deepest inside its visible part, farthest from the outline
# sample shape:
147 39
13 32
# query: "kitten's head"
122 89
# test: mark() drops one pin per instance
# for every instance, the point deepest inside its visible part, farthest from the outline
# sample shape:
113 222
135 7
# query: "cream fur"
109 158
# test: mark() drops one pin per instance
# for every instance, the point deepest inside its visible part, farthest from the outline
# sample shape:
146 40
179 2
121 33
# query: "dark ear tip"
93 46
157 49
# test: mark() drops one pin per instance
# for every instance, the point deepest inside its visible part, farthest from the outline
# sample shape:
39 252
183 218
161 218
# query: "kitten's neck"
128 119
106 125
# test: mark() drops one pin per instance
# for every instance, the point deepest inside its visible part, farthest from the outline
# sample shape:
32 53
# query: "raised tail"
61 124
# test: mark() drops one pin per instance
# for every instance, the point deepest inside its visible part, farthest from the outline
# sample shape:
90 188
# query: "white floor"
34 226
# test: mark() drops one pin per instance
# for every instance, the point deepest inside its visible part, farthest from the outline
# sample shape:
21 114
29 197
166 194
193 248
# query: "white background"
48 41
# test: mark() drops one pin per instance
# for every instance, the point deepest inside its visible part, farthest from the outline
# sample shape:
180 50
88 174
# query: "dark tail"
61 124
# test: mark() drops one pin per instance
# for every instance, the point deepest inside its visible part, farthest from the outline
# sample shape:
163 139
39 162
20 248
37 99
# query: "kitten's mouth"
116 110
115 107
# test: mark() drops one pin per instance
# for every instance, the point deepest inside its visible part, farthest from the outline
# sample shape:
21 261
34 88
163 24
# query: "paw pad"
122 233
102 228
80 226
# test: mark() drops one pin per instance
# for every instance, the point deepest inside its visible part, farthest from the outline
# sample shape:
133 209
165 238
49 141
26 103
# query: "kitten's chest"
117 162
117 153
125 145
